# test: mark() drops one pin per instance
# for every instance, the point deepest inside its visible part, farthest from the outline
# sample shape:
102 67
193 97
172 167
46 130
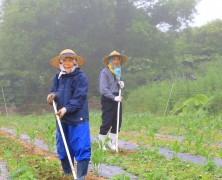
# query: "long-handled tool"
117 127
64 140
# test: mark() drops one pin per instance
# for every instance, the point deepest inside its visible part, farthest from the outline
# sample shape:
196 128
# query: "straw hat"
115 53
67 53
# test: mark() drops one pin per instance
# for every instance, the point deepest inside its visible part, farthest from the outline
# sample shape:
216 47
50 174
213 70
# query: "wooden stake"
6 110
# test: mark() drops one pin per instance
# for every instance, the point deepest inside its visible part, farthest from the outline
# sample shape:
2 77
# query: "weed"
210 165
120 177
32 134
98 155
18 131
49 136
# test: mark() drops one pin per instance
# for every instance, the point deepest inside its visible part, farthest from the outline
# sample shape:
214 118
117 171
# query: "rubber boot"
112 142
66 166
82 168
102 141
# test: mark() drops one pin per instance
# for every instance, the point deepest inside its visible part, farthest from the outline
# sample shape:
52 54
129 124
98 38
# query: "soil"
34 150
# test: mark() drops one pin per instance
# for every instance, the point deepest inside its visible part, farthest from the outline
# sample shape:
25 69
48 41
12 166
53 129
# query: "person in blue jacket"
69 90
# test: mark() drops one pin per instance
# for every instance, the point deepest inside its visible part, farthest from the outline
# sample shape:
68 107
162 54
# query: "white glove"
121 84
118 98
61 112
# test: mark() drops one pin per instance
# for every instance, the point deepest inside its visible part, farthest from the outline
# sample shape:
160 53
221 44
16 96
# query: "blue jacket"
71 92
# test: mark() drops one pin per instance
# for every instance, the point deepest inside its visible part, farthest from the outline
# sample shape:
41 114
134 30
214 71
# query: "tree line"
154 34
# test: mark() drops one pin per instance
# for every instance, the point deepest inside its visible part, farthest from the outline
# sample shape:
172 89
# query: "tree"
201 41
168 14
31 34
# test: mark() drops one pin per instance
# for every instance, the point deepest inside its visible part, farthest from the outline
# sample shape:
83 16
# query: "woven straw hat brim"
124 59
55 61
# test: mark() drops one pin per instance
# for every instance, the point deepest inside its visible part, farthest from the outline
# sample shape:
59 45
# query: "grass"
23 165
201 136
154 97
141 128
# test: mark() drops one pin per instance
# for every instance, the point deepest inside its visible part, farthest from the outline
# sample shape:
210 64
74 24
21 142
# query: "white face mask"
62 69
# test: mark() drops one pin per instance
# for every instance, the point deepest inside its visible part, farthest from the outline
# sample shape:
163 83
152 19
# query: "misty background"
163 49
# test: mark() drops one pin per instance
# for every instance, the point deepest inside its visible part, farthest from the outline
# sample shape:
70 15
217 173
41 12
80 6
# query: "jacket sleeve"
79 96
54 84
104 86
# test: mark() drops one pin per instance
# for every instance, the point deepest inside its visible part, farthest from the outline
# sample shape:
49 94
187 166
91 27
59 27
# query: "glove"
61 112
50 98
118 98
121 84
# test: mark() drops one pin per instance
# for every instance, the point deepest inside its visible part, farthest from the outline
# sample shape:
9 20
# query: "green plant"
49 136
7 155
210 165
114 159
152 135
220 153
157 174
206 151
96 162
197 105
215 103
97 158
18 131
201 135
120 177
176 147
21 165
23 171
198 140
32 134
189 138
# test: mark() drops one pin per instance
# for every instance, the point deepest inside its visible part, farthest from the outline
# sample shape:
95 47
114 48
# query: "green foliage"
32 134
31 34
136 73
210 165
196 105
157 167
49 136
201 134
215 103
176 147
169 14
23 171
22 165
115 159
97 159
200 41
157 174
18 131
153 98
18 169
120 177
148 99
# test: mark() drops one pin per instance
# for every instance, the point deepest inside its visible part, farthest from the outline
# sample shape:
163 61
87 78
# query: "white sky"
208 10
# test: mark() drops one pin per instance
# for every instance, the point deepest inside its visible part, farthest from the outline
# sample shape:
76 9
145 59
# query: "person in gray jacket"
110 82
